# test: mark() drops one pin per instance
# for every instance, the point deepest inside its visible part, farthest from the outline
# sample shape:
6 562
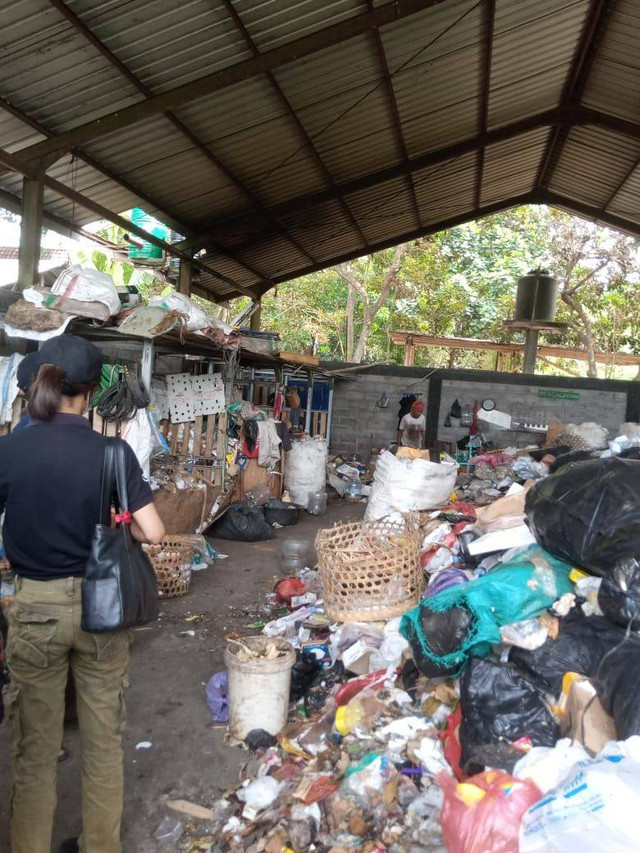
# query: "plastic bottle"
317 502
354 488
361 712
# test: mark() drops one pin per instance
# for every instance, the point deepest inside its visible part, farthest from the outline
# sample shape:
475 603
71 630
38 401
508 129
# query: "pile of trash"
501 714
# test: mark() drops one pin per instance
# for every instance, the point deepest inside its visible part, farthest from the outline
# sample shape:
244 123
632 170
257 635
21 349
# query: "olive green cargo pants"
45 638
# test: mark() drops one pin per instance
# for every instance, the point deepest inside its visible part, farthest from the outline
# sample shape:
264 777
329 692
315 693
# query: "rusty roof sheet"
330 143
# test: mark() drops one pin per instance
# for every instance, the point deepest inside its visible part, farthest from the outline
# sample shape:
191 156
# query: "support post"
256 317
146 370
530 351
30 232
409 352
330 412
185 274
307 421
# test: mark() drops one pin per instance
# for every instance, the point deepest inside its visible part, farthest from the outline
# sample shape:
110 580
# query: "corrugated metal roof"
593 163
286 181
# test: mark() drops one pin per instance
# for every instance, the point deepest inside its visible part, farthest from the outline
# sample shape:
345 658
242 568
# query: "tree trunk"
351 307
587 334
363 337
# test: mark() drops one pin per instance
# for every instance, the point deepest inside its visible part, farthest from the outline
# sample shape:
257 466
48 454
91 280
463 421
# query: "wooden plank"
174 432
112 429
323 424
185 439
197 436
208 442
296 358
221 447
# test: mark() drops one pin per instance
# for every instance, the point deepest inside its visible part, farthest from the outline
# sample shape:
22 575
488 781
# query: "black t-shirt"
50 480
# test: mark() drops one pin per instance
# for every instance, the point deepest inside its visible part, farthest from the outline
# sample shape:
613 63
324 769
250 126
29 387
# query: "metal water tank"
537 296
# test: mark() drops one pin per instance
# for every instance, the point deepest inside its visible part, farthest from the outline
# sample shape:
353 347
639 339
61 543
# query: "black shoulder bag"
119 589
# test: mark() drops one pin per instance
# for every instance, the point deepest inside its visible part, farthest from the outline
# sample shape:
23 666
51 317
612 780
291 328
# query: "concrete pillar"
30 232
256 317
530 351
185 274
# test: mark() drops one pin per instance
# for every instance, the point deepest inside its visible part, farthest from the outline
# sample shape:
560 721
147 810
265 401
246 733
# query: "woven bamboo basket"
370 571
172 563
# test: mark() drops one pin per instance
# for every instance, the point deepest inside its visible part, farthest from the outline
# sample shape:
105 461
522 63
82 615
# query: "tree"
370 284
590 261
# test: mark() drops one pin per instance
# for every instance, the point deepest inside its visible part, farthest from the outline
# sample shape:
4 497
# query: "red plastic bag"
351 688
475 823
451 740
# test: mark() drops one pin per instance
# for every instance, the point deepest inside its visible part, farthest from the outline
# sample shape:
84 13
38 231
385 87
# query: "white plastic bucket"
258 688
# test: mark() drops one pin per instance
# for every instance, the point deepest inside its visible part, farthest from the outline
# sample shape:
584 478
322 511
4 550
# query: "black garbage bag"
617 686
303 674
588 513
242 523
580 646
445 632
499 706
619 594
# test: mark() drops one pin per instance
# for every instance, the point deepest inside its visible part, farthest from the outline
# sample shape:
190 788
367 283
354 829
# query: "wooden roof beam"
284 102
387 13
397 121
483 120
144 90
597 19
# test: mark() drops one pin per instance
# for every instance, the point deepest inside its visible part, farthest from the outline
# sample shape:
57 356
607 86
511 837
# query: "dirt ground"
165 704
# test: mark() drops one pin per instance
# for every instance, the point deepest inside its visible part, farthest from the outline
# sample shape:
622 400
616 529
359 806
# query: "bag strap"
108 482
121 475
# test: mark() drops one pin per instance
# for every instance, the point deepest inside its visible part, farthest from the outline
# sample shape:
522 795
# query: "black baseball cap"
79 359
27 369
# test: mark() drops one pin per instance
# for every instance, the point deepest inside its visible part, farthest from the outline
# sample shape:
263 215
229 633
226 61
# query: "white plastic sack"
595 809
88 285
8 385
402 485
547 766
139 435
305 469
196 317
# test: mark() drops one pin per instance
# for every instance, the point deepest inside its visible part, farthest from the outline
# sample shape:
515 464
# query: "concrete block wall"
357 423
604 407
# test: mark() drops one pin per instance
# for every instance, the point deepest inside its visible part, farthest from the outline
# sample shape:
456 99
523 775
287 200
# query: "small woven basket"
370 571
172 563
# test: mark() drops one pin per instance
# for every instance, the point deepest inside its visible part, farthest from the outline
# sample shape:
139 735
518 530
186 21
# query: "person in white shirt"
412 427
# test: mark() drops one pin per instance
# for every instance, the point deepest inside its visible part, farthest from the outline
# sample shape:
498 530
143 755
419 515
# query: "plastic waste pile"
501 714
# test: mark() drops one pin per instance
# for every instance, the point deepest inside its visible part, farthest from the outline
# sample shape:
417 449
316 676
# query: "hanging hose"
121 400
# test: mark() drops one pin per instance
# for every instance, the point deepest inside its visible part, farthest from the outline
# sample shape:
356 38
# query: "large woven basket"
172 563
370 571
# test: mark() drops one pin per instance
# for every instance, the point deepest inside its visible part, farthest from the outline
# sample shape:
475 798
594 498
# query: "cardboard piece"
585 719
506 512
554 430
412 453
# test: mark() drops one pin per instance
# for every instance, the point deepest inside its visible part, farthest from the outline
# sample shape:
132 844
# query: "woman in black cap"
50 486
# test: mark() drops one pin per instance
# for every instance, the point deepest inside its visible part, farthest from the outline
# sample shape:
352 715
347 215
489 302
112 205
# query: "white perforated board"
208 393
190 396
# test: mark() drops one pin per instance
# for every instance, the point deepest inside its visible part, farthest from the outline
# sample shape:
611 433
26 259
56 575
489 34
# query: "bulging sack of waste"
404 485
588 513
483 814
472 613
500 706
593 810
305 470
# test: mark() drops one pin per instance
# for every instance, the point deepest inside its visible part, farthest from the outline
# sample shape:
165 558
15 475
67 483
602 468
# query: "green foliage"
462 283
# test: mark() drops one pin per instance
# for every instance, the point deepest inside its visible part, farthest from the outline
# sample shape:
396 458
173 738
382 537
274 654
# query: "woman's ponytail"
45 393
